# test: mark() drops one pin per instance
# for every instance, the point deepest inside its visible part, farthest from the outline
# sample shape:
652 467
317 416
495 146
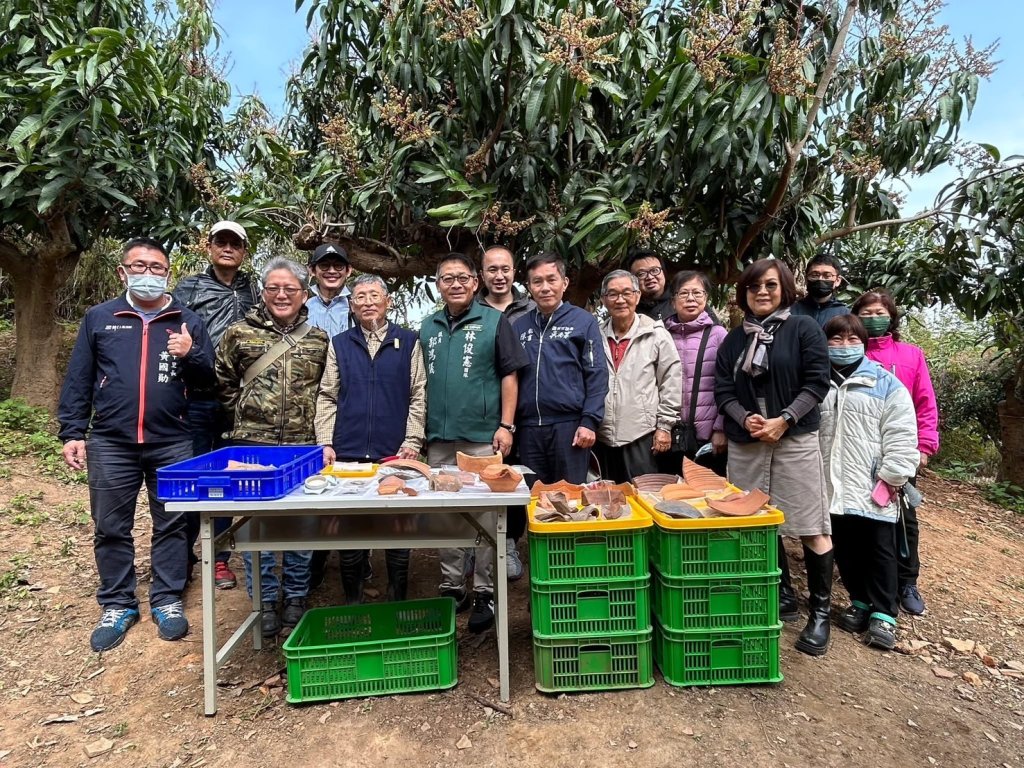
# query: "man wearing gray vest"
472 358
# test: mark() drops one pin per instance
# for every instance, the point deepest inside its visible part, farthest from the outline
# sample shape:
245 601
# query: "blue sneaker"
170 620
513 565
911 601
114 625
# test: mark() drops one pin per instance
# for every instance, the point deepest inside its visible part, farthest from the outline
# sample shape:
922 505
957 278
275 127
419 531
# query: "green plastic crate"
740 657
705 552
715 604
596 663
589 556
372 650
591 607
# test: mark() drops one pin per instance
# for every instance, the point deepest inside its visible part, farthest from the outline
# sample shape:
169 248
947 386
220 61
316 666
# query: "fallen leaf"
81 698
463 743
99 747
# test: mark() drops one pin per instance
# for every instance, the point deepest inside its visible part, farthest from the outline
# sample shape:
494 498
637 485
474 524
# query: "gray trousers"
453 560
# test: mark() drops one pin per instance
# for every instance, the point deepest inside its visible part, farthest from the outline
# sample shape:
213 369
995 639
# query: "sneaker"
293 609
854 619
482 617
270 622
911 601
223 576
880 634
462 598
513 564
114 625
171 623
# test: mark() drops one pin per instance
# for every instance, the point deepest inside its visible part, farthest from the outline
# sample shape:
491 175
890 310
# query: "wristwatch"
789 418
510 427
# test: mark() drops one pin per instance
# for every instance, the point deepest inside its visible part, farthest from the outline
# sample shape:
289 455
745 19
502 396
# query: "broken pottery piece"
676 491
570 490
702 478
476 464
410 464
500 478
740 504
678 509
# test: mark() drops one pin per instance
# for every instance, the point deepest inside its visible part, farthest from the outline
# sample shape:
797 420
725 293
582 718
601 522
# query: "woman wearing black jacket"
770 376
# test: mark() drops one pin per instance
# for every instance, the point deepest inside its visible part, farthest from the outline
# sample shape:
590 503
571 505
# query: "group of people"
780 403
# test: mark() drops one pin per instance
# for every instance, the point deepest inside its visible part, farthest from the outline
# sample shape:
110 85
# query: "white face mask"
146 287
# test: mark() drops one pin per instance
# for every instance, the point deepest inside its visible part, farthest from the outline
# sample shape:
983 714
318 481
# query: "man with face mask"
823 276
135 362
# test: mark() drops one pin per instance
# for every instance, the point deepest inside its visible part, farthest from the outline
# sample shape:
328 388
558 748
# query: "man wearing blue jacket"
135 360
562 391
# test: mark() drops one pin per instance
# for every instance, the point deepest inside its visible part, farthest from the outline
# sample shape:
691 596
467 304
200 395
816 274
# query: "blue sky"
264 45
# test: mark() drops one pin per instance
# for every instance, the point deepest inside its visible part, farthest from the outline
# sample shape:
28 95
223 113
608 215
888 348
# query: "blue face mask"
846 355
146 287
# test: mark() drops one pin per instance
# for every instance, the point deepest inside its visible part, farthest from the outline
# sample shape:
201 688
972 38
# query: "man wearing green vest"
473 358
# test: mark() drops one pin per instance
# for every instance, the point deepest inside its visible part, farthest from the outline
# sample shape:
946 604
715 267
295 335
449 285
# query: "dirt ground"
930 705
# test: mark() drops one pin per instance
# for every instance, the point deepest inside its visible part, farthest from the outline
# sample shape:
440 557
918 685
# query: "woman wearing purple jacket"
877 310
689 327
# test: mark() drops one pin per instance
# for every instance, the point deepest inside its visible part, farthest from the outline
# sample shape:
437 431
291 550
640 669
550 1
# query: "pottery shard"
390 485
960 646
500 478
412 464
701 477
469 463
99 747
972 678
680 491
943 673
740 505
571 490
448 483
1016 666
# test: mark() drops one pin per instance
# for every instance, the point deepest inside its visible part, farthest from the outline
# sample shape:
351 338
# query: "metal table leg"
501 604
209 615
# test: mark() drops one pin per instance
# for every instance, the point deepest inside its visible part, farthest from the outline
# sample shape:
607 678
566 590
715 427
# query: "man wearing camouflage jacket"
276 407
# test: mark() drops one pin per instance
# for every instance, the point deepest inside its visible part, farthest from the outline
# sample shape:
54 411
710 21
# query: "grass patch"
28 431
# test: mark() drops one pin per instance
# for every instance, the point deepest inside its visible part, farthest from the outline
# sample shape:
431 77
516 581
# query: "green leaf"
534 104
992 150
48 194
25 128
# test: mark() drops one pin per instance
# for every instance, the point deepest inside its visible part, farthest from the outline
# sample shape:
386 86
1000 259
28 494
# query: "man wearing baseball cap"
221 296
328 302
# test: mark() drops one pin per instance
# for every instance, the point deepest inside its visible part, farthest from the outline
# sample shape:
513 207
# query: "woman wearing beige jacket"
644 384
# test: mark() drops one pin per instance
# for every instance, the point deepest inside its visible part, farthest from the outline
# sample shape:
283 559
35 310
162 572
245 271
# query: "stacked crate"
716 599
590 603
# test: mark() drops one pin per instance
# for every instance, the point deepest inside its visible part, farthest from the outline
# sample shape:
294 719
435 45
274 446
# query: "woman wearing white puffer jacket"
868 437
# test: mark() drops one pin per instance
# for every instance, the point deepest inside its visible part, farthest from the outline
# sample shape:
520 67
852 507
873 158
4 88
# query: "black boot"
788 610
353 569
814 639
397 561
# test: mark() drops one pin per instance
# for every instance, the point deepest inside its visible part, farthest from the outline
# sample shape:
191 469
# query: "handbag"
684 433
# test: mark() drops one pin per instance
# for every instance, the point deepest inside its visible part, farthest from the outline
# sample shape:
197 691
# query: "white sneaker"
514 565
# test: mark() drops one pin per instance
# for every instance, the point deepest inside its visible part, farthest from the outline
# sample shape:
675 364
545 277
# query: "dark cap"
328 250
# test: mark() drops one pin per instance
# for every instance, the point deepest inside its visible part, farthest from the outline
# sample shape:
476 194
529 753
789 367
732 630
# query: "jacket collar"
342 296
642 325
700 322
881 342
240 281
259 316
124 304
865 375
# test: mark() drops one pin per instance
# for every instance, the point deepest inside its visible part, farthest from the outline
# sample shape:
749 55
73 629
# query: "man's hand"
771 430
406 452
584 438
329 456
662 441
753 423
74 454
178 344
502 441
719 442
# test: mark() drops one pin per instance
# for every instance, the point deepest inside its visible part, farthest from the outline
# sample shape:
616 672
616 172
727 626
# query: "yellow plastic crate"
639 517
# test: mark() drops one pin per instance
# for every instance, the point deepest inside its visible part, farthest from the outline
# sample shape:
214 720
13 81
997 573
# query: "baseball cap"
229 226
326 250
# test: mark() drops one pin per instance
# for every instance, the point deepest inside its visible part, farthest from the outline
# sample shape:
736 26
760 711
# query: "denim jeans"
206 423
294 574
116 472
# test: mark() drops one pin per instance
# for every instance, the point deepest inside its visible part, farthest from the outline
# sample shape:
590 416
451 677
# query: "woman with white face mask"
868 436
877 310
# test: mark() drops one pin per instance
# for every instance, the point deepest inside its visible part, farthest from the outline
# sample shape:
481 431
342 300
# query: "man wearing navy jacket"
562 391
134 362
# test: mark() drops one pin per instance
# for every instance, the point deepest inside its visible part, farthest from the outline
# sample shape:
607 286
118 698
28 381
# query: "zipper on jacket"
536 382
143 358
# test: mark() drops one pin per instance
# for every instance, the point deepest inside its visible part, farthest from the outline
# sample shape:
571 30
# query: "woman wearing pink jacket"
877 311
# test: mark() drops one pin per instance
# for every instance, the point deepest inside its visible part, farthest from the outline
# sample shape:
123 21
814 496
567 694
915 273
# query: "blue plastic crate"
206 477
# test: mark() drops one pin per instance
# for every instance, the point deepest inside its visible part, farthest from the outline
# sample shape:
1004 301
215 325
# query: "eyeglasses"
331 266
221 242
690 294
287 290
367 298
141 268
652 272
616 295
771 286
449 280
822 275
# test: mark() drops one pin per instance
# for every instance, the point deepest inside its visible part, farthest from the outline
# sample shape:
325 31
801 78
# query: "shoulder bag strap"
275 353
696 374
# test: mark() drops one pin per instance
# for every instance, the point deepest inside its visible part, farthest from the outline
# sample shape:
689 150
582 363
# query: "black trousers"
549 452
624 462
910 564
866 556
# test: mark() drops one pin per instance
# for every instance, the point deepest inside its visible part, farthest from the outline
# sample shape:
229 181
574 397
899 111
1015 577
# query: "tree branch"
794 151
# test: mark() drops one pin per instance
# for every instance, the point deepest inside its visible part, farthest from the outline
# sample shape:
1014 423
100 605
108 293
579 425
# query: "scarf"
760 334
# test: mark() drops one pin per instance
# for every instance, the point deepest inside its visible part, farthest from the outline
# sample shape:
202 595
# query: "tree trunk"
36 282
1011 430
